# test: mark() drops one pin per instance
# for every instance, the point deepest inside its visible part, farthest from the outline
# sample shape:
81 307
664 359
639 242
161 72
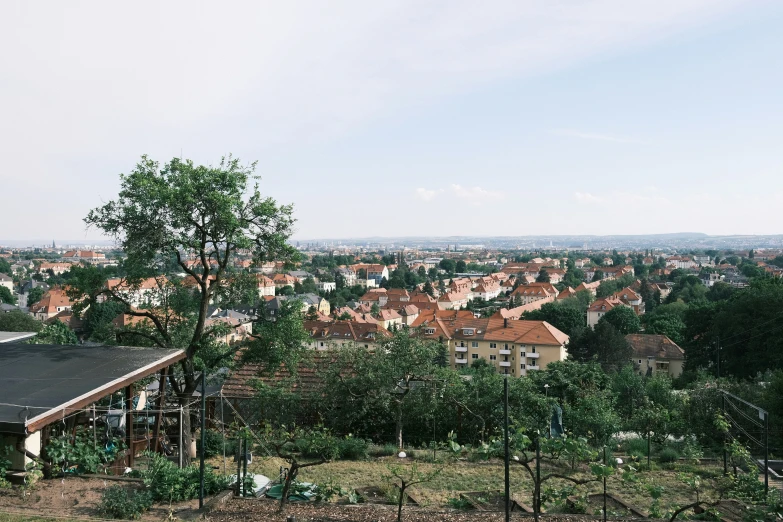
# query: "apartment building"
512 347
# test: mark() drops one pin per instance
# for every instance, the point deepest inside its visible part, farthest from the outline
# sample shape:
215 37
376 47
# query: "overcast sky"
405 117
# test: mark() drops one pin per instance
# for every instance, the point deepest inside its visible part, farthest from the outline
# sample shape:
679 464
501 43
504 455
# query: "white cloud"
587 197
476 195
593 136
426 195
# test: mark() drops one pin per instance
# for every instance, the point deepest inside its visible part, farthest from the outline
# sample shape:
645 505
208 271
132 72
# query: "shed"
41 384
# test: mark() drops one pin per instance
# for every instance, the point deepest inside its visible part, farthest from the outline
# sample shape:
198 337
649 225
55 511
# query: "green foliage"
124 503
213 444
567 315
55 333
352 448
6 296
5 465
604 344
460 503
167 482
668 455
624 319
80 454
34 295
448 265
16 321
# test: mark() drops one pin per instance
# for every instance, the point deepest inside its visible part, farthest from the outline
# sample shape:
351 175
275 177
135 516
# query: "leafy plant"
459 503
124 503
169 483
668 455
352 448
5 464
213 444
80 454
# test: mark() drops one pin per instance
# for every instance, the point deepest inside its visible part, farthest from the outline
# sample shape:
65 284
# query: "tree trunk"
398 433
289 478
187 436
399 502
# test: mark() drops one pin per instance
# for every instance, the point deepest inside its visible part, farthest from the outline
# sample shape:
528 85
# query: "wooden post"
129 423
159 407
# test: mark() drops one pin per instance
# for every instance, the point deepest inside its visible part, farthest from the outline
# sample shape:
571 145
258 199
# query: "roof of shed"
39 383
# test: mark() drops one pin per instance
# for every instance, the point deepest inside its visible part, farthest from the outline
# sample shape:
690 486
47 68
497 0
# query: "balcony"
505 352
531 355
531 367
461 361
506 364
460 348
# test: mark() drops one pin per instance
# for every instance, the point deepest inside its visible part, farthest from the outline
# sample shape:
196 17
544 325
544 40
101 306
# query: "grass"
482 476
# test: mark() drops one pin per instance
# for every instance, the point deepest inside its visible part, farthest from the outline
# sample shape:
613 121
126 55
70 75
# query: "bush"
637 447
668 455
124 503
352 448
382 451
167 482
213 444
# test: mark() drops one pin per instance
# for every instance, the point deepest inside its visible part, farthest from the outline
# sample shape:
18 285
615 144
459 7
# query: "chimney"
505 322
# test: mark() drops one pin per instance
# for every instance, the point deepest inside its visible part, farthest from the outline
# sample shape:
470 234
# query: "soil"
237 509
77 498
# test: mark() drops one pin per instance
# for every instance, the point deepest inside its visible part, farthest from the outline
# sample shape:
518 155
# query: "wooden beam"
159 407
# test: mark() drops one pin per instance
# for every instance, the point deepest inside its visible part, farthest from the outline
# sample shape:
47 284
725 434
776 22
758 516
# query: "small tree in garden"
300 448
406 475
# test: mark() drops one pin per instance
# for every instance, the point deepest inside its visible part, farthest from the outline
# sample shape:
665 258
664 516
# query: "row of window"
475 344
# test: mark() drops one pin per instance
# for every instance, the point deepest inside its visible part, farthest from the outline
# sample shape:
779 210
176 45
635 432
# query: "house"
648 261
348 275
566 293
88 256
534 292
631 298
239 326
376 272
513 347
52 303
599 308
581 263
8 282
656 354
516 312
301 275
326 286
487 291
712 278
702 260
150 291
452 301
266 286
398 294
607 261
56 268
681 262
283 280
320 304
389 319
376 296
335 335
663 288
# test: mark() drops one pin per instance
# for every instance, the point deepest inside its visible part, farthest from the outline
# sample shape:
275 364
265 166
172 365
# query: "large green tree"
188 212
6 296
16 321
624 319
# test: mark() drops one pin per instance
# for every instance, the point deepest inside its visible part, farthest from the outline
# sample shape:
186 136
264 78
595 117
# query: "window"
474 356
522 366
474 344
505 357
505 346
322 343
534 349
505 370
429 331
493 357
493 345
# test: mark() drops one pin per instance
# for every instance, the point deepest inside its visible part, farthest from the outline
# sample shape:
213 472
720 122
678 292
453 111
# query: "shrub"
168 482
459 503
668 455
124 503
637 447
352 448
5 464
81 453
213 444
382 451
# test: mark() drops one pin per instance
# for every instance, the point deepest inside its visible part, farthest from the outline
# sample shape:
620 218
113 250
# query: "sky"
405 118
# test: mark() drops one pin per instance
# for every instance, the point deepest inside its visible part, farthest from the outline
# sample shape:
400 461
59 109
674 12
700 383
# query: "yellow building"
512 347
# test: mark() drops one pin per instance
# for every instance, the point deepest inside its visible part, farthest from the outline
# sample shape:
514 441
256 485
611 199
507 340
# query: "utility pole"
203 438
505 431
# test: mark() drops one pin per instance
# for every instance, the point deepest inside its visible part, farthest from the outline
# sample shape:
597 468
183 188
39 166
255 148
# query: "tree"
17 321
308 286
671 326
428 289
405 476
35 295
597 276
603 344
177 209
422 272
559 314
461 266
624 319
5 266
320 445
448 265
55 333
543 276
6 296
